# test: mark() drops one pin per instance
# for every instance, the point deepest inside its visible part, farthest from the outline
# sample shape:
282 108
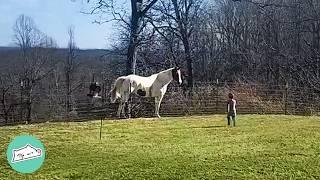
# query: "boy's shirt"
232 106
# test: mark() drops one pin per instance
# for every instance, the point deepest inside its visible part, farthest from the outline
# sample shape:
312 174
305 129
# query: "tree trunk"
189 62
183 29
29 105
135 26
4 107
131 57
68 84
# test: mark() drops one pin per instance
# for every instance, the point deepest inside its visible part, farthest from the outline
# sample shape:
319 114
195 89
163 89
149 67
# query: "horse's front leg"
157 101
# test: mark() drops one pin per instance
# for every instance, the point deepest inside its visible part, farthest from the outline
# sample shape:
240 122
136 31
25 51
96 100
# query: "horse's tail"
115 94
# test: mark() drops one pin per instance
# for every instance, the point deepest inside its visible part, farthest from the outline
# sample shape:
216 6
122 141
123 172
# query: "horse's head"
176 74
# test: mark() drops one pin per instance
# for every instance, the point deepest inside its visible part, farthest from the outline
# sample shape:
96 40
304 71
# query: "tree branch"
145 10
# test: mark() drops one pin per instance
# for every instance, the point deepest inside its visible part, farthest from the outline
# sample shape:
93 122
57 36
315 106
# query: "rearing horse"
152 86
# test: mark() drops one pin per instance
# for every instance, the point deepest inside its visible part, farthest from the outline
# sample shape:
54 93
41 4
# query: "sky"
53 17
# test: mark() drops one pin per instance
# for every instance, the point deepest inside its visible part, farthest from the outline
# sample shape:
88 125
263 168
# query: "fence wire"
204 98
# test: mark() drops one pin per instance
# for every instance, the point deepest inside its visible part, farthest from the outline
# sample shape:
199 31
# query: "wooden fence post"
21 100
130 102
217 95
103 92
286 98
100 128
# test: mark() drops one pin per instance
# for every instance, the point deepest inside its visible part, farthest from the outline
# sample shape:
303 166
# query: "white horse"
152 86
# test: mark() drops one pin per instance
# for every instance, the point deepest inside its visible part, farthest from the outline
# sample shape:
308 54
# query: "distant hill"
5 48
83 54
91 57
86 52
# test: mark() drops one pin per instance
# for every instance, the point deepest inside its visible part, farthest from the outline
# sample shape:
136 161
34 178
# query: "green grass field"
198 147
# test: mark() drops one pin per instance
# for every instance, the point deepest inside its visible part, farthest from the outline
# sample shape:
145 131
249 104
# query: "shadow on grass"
208 127
201 127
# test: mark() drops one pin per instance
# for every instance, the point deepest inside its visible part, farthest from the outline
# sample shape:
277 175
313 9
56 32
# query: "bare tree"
179 18
8 95
136 24
185 13
37 55
70 65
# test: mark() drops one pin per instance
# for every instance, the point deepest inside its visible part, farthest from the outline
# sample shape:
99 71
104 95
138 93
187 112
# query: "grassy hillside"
260 147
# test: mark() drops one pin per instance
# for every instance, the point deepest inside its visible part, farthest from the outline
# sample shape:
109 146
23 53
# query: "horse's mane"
165 70
161 72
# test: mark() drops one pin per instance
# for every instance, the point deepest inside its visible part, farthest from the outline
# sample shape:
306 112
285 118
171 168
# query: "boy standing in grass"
231 109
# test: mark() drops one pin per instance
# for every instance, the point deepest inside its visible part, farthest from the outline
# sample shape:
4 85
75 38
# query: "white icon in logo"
27 152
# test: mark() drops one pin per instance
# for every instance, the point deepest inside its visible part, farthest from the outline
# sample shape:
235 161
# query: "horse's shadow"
208 127
201 127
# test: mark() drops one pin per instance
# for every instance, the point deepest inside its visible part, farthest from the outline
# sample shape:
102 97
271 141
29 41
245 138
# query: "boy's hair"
230 95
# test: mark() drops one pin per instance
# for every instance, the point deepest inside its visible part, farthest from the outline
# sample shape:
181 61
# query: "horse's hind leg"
120 109
127 109
125 92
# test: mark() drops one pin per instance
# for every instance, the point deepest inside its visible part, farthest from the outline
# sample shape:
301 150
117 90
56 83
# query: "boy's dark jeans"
233 116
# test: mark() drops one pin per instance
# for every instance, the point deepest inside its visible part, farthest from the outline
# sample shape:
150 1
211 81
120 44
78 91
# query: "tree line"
272 41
